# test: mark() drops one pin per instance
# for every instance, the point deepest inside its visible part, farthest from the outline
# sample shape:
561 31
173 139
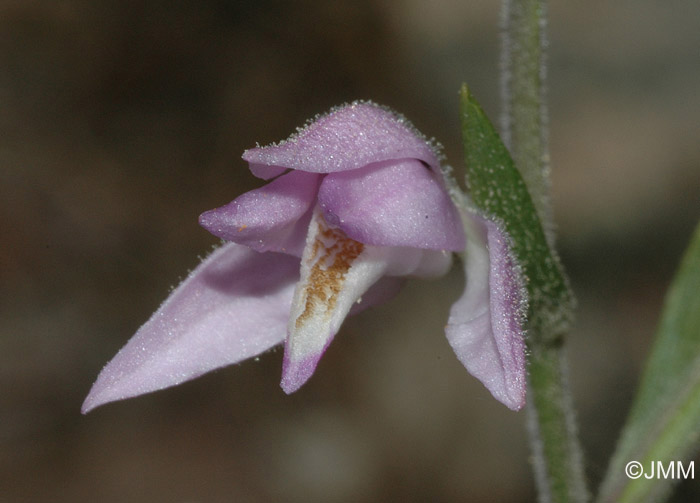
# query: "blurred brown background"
121 121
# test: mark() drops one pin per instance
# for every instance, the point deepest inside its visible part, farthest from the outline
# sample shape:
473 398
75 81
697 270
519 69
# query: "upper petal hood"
485 324
347 138
233 306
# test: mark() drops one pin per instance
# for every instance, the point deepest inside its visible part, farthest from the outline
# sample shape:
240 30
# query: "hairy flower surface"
356 202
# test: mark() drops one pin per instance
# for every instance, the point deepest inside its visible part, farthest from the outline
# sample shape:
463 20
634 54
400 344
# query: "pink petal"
233 306
347 138
272 218
485 324
296 370
398 203
337 275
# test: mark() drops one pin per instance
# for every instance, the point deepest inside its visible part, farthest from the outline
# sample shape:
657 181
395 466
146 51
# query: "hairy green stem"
557 457
524 119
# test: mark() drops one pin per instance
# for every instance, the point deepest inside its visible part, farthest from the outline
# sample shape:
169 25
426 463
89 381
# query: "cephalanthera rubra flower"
356 203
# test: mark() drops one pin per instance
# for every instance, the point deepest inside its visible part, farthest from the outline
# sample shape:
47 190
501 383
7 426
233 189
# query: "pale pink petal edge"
233 306
485 327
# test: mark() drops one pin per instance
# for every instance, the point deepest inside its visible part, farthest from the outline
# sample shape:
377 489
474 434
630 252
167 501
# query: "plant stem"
557 457
524 121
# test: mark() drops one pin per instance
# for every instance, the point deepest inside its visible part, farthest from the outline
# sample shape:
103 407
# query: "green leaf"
664 424
498 189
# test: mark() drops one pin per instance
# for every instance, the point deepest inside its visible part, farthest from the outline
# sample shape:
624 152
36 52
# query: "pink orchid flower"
356 203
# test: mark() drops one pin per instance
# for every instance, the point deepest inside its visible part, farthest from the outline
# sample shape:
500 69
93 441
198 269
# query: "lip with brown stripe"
332 255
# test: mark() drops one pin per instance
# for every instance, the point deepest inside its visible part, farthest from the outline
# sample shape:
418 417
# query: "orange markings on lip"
333 255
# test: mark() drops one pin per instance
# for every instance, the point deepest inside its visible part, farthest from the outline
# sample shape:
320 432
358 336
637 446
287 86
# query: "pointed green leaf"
664 424
498 189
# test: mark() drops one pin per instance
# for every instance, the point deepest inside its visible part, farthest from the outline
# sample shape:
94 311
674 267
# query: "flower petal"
233 306
274 217
347 138
336 272
485 324
399 203
332 280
